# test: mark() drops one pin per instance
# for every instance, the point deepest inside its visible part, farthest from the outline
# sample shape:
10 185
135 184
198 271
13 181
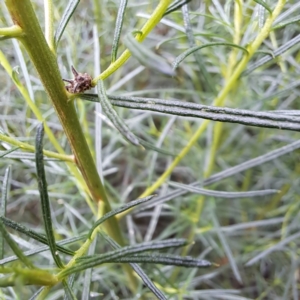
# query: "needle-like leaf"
264 4
147 281
113 116
34 235
14 247
42 184
5 189
118 29
87 262
146 57
69 11
188 52
118 211
177 4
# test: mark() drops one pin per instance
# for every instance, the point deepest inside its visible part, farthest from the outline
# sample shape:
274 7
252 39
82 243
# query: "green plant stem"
25 146
33 40
232 60
217 132
12 31
44 293
231 77
228 86
147 28
4 62
219 101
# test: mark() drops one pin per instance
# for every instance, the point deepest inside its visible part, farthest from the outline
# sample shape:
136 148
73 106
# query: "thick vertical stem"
45 63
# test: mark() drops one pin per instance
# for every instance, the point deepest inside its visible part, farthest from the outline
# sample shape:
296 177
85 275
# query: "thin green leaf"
14 247
181 36
69 294
113 116
264 4
271 248
88 273
95 98
169 260
37 236
282 49
118 211
15 74
5 189
223 194
86 262
287 22
227 249
43 249
70 284
267 52
118 29
186 53
127 250
36 294
70 9
205 77
146 57
4 153
186 109
177 4
214 109
147 281
257 161
152 147
42 184
24 155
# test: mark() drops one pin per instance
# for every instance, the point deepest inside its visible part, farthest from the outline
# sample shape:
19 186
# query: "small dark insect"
80 83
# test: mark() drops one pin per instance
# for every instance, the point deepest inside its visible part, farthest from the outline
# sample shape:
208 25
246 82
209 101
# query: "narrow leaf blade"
118 29
32 234
42 185
113 116
147 281
14 247
118 211
176 5
146 57
264 4
70 9
188 52
5 189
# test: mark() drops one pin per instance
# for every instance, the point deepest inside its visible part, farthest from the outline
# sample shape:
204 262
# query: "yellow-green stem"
220 102
4 62
232 61
80 183
222 95
12 31
25 146
147 28
44 60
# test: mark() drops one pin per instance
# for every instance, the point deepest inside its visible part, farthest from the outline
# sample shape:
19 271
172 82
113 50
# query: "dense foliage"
199 108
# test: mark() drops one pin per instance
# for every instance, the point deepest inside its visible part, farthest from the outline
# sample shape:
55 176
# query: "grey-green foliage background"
226 231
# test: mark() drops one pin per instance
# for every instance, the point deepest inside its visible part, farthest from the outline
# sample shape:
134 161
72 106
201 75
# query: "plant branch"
25 146
22 13
147 28
221 97
12 31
